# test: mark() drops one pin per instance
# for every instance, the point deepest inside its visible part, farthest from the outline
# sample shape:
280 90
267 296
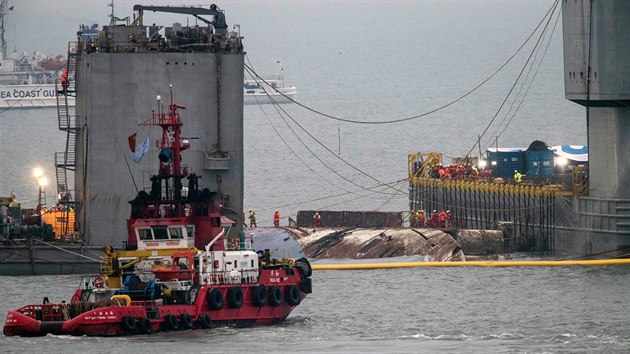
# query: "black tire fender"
259 295
274 296
215 299
145 325
304 267
204 321
292 295
235 297
129 324
170 321
185 321
306 285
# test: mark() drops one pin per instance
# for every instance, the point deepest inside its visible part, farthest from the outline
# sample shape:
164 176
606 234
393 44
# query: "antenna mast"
3 14
112 22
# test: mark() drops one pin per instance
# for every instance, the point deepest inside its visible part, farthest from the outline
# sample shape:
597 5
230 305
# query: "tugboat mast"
171 170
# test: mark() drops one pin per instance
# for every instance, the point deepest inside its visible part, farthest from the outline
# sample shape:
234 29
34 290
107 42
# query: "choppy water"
461 310
368 61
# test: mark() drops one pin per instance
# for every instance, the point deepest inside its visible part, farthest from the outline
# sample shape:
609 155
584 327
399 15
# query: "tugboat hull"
146 317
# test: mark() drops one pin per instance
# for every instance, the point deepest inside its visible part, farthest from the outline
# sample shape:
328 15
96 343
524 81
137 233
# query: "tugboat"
179 270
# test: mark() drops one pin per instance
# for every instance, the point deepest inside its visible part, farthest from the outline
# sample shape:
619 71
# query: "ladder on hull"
65 161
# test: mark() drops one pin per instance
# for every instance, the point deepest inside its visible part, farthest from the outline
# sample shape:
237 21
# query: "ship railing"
143 303
518 188
44 312
234 243
230 277
230 45
169 170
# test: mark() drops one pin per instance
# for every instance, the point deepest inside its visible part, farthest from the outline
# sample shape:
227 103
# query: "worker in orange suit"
449 219
421 218
435 219
317 219
64 80
442 218
276 218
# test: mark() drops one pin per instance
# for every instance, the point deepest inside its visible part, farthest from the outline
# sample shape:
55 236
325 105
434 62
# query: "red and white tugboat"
179 269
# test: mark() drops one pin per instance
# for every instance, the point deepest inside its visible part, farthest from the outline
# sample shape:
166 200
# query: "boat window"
145 234
190 231
226 229
251 91
274 85
160 232
175 232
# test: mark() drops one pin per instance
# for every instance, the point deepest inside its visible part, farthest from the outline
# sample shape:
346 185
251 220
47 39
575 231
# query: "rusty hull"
367 243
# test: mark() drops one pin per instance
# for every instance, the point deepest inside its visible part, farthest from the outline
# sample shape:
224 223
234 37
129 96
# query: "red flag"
132 142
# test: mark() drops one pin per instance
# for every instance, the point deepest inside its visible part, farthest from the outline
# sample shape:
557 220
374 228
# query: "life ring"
275 296
76 297
145 325
259 295
215 299
129 324
235 297
98 282
204 321
170 321
185 321
292 295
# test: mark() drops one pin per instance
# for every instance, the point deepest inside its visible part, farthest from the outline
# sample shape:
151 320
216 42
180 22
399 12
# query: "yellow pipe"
594 262
122 297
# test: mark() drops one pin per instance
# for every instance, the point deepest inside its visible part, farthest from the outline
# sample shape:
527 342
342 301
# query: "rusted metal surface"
481 242
350 218
366 243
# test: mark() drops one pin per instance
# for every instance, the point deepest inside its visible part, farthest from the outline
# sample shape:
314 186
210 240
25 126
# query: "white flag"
141 150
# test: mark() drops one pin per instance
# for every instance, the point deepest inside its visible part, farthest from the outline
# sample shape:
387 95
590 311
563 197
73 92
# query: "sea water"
421 310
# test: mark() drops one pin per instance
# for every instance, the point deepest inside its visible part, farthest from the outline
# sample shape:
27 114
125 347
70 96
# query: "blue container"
503 163
539 163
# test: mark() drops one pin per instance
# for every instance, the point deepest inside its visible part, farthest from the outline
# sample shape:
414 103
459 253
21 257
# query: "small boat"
179 270
257 91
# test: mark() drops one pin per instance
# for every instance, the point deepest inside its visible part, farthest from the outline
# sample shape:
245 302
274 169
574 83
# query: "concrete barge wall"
49 259
116 92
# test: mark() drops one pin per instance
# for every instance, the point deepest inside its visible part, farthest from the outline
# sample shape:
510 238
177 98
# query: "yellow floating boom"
357 266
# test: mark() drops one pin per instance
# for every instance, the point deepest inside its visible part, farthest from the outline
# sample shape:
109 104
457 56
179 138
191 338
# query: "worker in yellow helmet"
517 177
252 218
412 218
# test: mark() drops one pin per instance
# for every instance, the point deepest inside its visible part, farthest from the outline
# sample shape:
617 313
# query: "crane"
219 17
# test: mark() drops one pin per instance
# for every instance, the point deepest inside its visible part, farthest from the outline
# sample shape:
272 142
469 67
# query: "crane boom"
219 18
